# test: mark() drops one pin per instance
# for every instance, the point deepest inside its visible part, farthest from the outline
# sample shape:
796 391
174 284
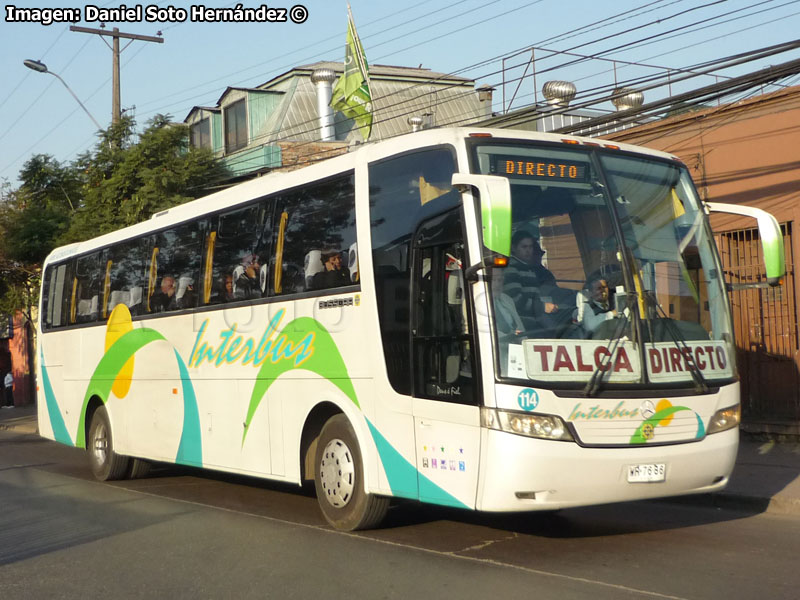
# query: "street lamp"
40 67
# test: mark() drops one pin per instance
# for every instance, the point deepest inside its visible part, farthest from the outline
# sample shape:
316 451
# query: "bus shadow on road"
297 504
585 522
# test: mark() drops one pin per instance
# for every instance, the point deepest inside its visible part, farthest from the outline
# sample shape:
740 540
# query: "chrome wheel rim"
100 444
337 473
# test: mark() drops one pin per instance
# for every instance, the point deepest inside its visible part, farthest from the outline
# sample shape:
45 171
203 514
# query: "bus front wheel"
106 464
339 480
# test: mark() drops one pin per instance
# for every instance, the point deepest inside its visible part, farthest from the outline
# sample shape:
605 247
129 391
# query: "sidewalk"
766 477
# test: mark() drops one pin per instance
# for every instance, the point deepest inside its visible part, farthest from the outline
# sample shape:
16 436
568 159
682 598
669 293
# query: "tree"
128 182
32 220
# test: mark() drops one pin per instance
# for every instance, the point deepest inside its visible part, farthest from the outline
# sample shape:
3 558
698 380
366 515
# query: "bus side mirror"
495 198
770 233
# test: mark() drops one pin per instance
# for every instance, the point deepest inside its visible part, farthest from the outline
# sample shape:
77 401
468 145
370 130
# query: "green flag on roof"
351 95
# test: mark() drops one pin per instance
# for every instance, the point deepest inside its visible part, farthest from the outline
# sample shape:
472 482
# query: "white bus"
484 319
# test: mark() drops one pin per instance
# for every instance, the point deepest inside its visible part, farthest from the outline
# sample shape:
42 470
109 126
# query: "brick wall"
296 155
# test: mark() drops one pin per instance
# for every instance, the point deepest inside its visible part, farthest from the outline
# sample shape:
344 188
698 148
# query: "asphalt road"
187 534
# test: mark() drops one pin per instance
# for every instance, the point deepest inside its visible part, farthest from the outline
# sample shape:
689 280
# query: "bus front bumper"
521 473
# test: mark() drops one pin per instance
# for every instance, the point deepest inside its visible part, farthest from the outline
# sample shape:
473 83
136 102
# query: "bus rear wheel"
339 480
106 464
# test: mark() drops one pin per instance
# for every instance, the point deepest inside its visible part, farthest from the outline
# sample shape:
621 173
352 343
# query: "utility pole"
116 34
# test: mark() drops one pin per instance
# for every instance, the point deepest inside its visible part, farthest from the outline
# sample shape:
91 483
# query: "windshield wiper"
701 385
604 364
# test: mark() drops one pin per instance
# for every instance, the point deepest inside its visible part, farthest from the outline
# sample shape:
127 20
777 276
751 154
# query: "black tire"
106 464
339 480
139 468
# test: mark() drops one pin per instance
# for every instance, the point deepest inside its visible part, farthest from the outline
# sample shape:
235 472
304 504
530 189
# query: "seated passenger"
226 287
508 323
246 282
164 299
333 275
594 305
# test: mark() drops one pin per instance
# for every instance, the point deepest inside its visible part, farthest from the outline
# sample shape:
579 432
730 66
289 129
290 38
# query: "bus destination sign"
540 169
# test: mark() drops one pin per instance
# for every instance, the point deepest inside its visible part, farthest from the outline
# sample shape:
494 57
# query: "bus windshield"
613 278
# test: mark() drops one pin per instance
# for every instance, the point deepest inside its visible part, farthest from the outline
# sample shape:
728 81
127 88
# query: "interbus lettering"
236 348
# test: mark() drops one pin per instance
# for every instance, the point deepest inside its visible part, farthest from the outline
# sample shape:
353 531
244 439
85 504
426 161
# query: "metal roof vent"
627 98
323 80
559 93
416 123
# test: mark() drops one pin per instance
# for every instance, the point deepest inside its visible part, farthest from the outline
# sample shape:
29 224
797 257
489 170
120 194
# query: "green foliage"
125 180
128 182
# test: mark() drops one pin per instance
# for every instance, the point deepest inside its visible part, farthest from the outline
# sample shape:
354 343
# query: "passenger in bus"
333 275
164 299
508 323
594 304
245 278
539 301
226 287
186 296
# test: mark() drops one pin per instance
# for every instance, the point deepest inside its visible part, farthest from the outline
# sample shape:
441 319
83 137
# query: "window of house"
200 134
235 126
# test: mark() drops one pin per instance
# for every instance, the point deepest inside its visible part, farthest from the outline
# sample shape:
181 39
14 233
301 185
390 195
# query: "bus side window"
399 190
236 250
127 276
87 288
312 224
177 268
56 305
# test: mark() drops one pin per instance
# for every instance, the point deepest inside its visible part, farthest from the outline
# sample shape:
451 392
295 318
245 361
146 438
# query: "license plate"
647 473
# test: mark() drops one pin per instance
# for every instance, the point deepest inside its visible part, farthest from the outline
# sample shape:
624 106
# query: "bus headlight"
549 427
725 419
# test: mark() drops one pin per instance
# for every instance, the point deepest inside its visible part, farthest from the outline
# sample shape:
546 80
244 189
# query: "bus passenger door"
445 406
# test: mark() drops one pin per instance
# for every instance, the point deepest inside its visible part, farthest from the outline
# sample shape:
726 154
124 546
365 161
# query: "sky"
485 40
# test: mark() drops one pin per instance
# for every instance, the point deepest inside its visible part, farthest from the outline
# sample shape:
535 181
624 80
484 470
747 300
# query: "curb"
20 427
775 505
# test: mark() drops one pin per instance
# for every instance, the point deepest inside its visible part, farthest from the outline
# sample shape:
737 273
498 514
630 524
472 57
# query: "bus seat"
312 266
183 284
84 308
135 296
352 262
263 278
95 303
119 297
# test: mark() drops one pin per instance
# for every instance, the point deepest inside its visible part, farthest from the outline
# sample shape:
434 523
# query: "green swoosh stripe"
325 360
109 367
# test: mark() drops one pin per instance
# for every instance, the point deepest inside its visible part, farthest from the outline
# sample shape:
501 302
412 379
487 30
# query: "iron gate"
765 325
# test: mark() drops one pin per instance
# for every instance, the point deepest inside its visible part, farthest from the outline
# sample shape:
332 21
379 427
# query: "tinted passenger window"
127 276
238 250
86 292
399 190
315 238
56 300
174 269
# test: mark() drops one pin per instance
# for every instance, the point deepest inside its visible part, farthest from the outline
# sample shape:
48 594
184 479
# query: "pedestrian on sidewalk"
8 383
